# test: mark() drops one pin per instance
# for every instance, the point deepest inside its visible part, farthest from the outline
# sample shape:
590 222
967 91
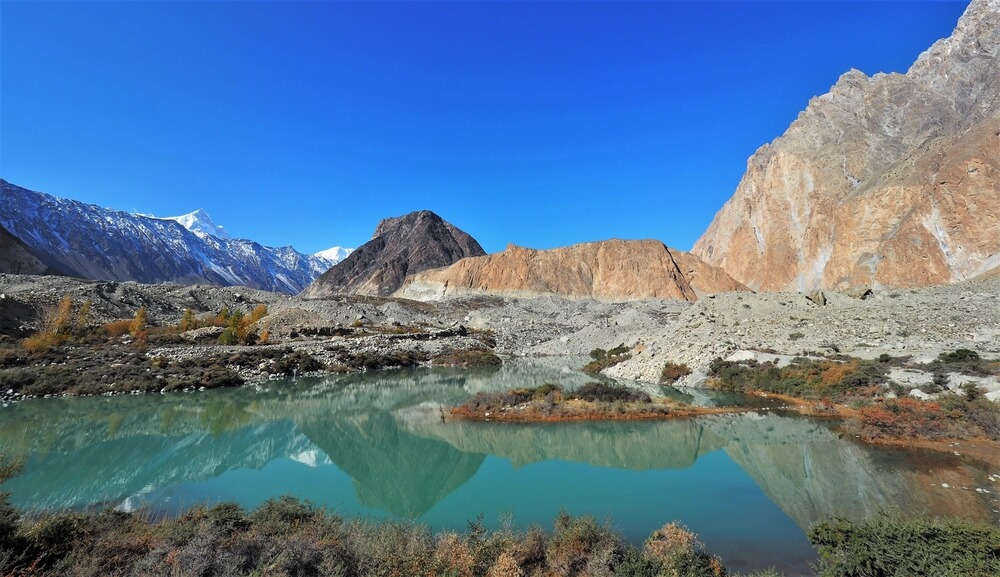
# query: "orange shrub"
118 328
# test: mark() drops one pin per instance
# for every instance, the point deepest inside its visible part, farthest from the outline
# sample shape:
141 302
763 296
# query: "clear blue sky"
541 124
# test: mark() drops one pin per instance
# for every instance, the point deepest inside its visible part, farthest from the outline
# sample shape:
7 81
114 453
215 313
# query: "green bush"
608 393
228 337
889 546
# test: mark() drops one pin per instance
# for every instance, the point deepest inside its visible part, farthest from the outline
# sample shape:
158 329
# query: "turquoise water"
375 446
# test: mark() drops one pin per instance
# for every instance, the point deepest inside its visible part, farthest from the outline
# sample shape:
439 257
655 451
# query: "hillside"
612 270
885 180
87 241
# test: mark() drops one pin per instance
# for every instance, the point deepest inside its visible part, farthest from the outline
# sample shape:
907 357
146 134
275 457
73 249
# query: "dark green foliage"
634 563
466 358
228 337
964 361
608 393
618 351
604 359
488 401
889 546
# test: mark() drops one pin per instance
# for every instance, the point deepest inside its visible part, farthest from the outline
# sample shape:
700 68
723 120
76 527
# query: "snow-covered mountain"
201 224
335 254
91 242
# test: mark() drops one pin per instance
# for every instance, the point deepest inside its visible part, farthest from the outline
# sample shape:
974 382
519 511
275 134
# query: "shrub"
673 372
466 358
890 546
277 516
604 359
118 328
577 542
903 418
608 393
681 554
228 337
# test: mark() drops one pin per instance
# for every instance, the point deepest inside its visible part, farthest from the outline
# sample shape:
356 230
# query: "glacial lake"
375 446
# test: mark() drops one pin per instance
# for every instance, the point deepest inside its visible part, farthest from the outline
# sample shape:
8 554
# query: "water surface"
375 445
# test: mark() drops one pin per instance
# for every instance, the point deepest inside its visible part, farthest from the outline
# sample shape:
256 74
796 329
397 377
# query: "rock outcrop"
401 246
886 180
613 270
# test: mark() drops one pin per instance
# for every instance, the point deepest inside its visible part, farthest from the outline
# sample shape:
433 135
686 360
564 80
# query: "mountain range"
889 180
87 241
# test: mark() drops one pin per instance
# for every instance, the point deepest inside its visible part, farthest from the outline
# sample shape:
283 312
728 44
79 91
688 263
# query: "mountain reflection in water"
384 431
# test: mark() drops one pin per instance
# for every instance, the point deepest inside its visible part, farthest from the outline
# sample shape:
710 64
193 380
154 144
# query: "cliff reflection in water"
384 431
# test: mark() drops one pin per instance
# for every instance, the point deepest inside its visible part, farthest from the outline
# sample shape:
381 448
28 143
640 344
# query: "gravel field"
919 322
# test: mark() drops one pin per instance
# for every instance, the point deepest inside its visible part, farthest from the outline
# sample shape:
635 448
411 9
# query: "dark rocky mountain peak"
402 245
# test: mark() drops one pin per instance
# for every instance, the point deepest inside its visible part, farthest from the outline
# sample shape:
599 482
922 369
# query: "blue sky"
537 123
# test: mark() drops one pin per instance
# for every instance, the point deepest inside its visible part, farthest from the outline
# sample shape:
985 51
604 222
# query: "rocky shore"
351 332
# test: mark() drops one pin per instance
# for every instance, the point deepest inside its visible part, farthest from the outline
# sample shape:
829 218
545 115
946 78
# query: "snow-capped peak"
200 223
335 254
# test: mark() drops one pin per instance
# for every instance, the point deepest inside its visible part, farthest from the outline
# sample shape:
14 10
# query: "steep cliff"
607 270
885 180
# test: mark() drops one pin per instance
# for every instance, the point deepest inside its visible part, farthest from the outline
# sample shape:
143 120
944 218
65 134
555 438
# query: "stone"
612 270
817 297
888 180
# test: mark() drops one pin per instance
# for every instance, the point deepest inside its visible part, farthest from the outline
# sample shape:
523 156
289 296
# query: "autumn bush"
807 378
672 372
904 418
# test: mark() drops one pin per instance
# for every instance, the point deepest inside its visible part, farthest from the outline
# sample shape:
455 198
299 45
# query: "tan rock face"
608 270
889 180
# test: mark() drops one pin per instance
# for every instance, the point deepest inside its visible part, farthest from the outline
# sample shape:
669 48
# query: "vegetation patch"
603 359
878 416
466 358
673 372
592 401
805 378
963 361
889 546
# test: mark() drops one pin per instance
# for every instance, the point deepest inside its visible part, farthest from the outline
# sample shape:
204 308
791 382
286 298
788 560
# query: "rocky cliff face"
885 180
400 246
608 270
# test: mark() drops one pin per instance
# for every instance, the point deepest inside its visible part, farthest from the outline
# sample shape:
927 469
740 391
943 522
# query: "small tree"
187 321
139 323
